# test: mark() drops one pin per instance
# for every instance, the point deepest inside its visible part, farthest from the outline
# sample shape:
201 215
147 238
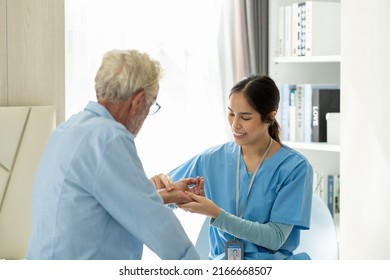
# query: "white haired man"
91 196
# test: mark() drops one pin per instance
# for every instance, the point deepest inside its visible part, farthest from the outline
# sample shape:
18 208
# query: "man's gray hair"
125 72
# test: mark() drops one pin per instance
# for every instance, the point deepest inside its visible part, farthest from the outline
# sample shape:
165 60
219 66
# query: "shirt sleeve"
293 202
269 235
124 190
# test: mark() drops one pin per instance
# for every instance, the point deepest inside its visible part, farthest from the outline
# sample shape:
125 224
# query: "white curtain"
184 37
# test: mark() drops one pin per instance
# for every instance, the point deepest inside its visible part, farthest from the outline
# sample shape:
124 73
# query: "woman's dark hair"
263 95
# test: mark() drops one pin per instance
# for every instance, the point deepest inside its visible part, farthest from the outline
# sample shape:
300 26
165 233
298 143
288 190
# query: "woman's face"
245 122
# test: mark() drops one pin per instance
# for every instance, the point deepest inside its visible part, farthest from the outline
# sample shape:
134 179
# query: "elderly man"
91 197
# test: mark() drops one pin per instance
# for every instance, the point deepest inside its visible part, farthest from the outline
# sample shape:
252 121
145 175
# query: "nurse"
258 191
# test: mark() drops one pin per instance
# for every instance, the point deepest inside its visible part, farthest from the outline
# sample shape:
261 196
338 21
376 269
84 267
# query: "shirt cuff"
218 221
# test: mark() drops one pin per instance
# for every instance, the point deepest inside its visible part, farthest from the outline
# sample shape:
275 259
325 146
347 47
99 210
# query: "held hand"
193 185
175 192
162 181
201 205
174 196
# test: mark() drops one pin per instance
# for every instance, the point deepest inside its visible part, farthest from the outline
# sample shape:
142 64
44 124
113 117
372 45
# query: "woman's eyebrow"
240 113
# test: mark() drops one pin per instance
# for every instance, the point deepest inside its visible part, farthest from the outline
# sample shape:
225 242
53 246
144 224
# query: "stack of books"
303 111
309 28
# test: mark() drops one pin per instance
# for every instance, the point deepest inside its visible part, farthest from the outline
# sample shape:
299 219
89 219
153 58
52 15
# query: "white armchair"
320 242
24 132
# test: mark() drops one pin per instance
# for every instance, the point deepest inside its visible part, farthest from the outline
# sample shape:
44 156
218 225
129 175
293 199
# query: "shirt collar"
98 109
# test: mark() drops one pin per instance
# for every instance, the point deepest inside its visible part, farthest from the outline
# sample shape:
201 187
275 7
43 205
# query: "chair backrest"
24 133
320 242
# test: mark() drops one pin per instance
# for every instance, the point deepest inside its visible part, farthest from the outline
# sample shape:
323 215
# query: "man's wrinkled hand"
177 193
162 181
193 185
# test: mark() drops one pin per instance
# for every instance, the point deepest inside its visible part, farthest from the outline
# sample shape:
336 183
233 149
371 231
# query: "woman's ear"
271 116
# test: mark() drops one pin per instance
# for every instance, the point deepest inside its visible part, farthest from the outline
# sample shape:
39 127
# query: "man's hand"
162 181
192 185
176 192
174 196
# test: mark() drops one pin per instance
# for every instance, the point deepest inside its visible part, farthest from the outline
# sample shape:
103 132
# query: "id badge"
234 250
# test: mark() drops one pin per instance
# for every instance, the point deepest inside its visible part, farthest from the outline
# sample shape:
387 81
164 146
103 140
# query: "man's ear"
139 97
137 100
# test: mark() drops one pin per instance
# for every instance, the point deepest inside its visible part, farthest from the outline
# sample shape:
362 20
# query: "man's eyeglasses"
154 108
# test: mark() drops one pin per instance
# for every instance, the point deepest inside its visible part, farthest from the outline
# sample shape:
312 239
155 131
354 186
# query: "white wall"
365 130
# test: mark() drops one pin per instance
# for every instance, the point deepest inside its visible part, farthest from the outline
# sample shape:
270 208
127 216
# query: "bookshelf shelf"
308 59
325 147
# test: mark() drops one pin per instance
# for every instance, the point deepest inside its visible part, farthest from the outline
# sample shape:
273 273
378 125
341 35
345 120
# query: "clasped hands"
187 194
177 192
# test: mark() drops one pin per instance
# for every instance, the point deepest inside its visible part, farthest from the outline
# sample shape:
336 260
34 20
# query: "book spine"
331 196
281 25
315 133
324 100
287 30
285 111
337 194
299 105
319 185
301 28
309 28
307 96
292 116
294 28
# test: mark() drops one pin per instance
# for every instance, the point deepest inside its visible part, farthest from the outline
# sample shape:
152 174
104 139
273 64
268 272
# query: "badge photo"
234 250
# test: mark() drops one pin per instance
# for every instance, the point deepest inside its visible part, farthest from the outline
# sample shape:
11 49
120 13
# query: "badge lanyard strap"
251 181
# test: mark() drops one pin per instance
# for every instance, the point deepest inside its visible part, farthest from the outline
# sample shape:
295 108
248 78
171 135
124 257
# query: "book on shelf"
319 185
292 123
295 28
299 113
322 28
333 194
310 28
281 25
327 187
303 111
324 100
285 92
287 31
307 97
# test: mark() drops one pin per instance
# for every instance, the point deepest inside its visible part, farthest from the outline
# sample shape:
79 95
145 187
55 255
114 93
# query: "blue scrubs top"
92 199
281 193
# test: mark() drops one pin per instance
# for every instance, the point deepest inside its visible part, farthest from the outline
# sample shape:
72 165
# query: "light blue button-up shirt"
92 199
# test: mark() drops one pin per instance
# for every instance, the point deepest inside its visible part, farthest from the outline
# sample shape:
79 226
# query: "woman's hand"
200 205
